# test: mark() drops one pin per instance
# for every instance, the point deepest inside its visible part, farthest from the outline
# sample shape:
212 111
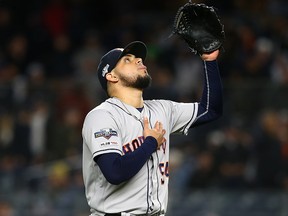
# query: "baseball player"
126 139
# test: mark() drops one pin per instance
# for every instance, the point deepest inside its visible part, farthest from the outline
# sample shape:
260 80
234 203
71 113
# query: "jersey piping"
208 92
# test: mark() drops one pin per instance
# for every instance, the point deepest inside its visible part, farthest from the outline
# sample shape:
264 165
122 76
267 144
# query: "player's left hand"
210 56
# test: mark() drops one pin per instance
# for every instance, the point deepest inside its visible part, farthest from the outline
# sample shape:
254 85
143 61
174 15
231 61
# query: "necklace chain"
128 112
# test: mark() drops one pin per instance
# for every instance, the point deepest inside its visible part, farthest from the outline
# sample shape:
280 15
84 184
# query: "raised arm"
211 104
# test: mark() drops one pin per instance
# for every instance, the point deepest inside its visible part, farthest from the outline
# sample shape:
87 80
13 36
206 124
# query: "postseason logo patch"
106 133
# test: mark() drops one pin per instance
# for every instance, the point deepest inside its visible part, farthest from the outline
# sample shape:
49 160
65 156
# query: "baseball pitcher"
126 139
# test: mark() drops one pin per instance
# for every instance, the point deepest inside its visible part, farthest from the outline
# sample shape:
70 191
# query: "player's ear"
111 77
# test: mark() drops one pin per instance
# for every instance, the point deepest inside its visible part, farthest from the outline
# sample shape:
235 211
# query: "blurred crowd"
49 52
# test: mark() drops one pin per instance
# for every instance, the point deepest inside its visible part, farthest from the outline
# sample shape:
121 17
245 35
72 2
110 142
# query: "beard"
140 83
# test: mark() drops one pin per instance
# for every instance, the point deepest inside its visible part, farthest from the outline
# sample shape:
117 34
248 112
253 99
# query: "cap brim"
136 48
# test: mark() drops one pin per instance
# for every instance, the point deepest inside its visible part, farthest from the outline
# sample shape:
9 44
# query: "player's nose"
139 61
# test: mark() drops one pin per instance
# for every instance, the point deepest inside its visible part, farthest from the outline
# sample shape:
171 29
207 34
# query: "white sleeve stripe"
107 151
208 92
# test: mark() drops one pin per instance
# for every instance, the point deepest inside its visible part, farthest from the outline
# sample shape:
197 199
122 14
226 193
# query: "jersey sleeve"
101 133
182 116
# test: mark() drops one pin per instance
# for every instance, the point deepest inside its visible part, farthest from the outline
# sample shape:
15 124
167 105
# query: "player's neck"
131 97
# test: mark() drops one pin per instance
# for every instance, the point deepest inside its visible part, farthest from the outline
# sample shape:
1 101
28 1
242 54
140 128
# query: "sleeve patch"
106 133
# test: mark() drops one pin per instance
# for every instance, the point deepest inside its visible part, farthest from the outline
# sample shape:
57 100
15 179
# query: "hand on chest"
132 134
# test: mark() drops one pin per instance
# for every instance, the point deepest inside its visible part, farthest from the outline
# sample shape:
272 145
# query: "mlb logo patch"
106 133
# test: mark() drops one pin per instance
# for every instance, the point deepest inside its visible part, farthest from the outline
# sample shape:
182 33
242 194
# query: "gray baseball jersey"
117 127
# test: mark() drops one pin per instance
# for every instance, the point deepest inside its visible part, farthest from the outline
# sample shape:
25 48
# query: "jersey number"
164 170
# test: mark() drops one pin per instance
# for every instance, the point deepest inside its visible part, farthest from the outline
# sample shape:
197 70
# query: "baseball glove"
200 27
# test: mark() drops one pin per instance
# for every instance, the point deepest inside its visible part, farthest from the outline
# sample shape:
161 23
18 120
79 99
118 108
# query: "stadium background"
49 52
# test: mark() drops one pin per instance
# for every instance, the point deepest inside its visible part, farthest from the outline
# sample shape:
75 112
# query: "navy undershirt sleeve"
119 168
211 104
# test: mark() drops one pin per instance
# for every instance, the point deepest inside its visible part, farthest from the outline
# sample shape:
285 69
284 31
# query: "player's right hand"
210 56
157 131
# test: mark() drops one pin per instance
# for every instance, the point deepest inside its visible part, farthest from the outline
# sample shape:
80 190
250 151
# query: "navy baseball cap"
110 59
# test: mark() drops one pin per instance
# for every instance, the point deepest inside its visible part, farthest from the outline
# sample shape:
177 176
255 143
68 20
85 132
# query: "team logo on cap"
106 133
105 70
